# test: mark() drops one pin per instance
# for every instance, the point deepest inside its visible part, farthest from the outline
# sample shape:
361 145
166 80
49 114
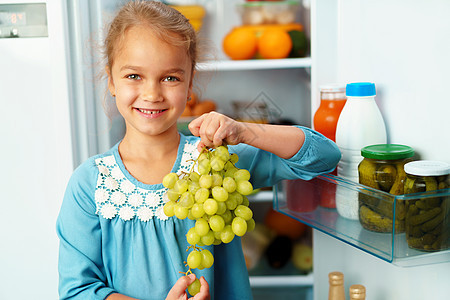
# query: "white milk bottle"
360 124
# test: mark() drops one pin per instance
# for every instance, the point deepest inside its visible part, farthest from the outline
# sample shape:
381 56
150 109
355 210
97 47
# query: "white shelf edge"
254 64
283 280
262 196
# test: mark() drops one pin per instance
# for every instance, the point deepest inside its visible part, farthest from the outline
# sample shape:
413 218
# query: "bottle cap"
332 88
357 291
387 151
427 168
336 278
361 89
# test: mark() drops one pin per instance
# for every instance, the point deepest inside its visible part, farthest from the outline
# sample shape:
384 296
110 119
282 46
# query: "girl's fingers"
204 290
178 291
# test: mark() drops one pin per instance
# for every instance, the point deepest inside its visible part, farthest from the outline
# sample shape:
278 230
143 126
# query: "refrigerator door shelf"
390 246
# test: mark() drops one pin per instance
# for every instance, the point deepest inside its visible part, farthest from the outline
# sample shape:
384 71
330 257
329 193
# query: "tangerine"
240 43
274 43
284 225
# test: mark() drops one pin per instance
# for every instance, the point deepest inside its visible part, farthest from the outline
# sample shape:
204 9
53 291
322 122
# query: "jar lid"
427 168
361 89
332 88
387 151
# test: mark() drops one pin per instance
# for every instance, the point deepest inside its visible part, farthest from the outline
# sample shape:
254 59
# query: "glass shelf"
254 64
300 199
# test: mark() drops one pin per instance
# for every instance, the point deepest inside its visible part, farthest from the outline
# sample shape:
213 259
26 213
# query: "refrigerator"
53 116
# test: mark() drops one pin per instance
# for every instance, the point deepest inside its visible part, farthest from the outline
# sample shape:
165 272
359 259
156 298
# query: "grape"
205 181
193 187
216 223
230 171
227 217
172 195
222 153
216 179
197 210
208 238
203 156
180 212
194 176
250 225
239 226
244 212
217 163
229 184
221 208
192 237
207 258
194 259
210 206
168 208
245 201
204 166
201 195
219 193
201 227
234 158
242 174
186 200
181 186
231 203
194 288
244 187
227 235
169 180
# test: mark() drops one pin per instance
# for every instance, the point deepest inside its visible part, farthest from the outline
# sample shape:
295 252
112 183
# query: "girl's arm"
214 129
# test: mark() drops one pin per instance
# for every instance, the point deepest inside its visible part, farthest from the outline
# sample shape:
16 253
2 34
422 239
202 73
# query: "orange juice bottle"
332 101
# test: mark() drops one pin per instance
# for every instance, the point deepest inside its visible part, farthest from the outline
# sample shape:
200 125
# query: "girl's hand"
214 129
178 291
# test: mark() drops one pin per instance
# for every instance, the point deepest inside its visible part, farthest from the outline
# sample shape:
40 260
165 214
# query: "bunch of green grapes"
215 197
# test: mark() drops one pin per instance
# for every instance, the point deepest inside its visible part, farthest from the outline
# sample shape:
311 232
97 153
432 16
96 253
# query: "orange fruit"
274 43
240 43
284 225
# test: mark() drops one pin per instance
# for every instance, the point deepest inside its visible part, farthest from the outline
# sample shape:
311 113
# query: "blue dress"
115 237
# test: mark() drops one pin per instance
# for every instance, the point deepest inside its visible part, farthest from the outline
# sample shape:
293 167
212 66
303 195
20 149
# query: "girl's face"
151 80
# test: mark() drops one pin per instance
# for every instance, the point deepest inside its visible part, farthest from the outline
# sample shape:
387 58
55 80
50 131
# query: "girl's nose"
151 92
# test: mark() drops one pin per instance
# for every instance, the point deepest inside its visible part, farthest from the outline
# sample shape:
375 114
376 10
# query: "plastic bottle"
332 101
336 289
360 124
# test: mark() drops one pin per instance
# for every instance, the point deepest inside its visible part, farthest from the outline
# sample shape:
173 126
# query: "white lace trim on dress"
116 196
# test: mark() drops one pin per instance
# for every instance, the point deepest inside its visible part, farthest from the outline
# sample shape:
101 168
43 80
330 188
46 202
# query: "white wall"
36 158
403 47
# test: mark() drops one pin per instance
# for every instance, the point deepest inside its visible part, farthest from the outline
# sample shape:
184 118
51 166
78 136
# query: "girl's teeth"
150 112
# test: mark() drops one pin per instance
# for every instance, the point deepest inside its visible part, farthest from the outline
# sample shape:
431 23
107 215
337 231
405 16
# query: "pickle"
398 186
429 203
375 222
386 176
442 185
430 184
423 217
385 208
431 224
366 171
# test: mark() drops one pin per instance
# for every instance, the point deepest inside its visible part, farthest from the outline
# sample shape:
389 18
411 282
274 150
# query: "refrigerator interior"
403 47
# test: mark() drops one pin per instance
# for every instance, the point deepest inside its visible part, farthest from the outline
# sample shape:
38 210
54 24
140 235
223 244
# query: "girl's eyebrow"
136 68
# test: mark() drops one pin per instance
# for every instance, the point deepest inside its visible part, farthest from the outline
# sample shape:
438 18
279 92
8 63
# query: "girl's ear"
111 86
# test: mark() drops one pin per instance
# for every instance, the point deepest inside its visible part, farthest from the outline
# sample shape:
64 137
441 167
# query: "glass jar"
427 219
382 169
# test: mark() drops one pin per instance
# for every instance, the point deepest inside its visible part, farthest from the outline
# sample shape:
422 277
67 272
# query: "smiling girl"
115 240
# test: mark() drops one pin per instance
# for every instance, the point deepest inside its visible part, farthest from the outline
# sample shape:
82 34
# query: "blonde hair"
167 23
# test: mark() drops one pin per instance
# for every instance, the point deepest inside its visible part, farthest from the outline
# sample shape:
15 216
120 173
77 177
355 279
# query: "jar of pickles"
382 169
428 217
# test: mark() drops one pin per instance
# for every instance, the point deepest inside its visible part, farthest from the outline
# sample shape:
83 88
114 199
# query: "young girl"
115 240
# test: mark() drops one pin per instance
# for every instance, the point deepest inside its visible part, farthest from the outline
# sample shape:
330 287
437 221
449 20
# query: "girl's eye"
133 76
171 78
